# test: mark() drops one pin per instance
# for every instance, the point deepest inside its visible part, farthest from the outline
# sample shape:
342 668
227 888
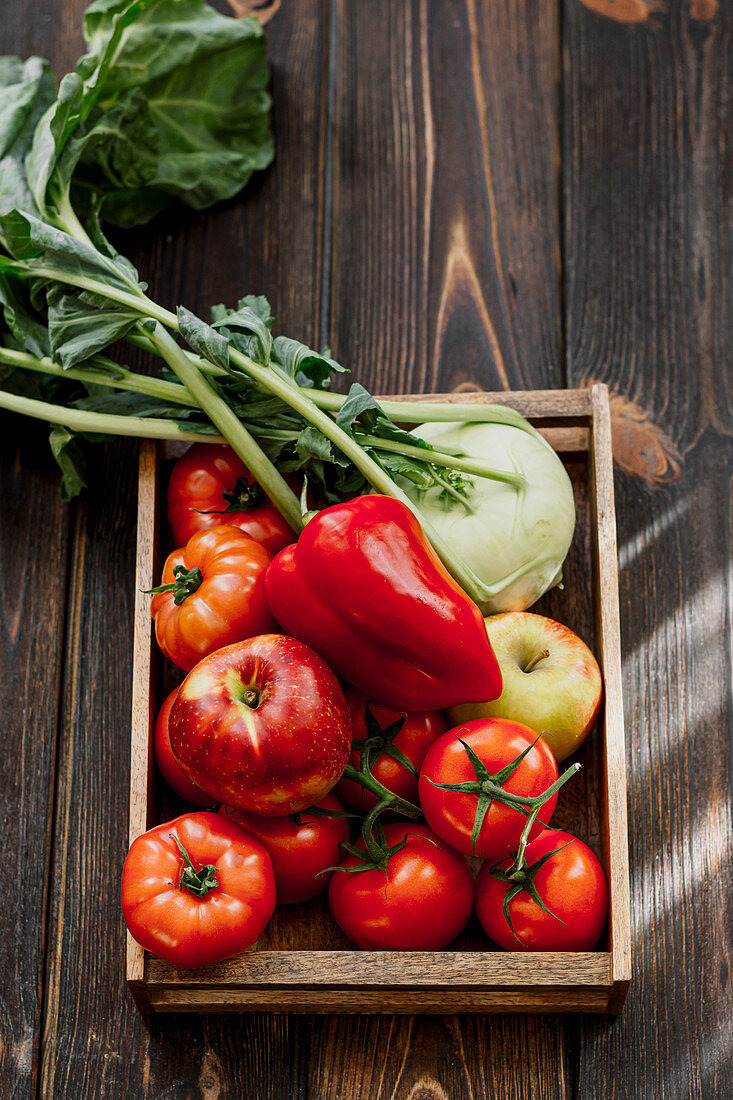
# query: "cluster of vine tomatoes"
320 763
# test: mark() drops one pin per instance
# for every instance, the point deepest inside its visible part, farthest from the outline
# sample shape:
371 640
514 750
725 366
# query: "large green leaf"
26 91
81 323
171 103
36 247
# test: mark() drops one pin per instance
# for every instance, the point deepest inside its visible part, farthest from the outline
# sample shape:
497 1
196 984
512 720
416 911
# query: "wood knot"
467 387
626 11
640 447
262 10
704 10
426 1090
211 1077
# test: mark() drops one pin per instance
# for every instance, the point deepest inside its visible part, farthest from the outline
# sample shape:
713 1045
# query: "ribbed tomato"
197 889
210 485
216 596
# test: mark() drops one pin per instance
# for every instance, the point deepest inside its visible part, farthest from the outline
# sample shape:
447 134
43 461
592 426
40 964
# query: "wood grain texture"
417 169
33 541
648 235
444 244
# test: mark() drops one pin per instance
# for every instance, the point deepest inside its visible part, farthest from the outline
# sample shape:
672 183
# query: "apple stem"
536 660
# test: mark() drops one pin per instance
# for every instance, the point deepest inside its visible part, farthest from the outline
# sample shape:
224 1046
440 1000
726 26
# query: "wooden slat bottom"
584 999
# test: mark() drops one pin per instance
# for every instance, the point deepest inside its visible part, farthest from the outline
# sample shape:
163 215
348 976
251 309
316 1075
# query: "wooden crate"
303 963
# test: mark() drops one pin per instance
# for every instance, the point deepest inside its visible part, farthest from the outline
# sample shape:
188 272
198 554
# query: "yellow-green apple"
552 682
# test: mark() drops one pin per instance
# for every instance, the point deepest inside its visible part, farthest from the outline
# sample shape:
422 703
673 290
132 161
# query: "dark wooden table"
467 193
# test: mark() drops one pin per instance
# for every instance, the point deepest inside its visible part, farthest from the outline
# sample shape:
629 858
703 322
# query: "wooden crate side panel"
615 831
276 980
534 404
143 695
384 969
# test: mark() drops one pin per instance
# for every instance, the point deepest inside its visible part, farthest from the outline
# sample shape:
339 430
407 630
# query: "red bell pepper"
365 590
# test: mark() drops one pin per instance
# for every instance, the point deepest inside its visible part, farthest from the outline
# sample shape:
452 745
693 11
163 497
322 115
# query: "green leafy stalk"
169 103
230 427
79 420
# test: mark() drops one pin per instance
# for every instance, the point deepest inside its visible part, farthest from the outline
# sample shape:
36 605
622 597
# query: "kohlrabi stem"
466 465
81 420
297 399
425 412
222 416
451 491
62 214
121 379
228 423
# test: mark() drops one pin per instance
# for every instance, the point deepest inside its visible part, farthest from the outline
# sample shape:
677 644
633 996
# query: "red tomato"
420 730
421 904
262 726
164 758
224 572
298 852
572 886
175 920
209 479
497 742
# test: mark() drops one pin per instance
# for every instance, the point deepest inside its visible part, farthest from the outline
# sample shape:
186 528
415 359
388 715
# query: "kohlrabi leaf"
362 407
312 443
305 366
77 96
25 324
48 252
180 106
247 327
26 91
203 338
71 461
80 324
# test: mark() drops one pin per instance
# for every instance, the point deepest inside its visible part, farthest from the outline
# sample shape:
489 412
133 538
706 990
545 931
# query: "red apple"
165 760
552 682
262 725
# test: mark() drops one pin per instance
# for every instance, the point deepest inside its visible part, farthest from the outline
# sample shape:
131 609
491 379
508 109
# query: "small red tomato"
497 743
262 726
298 852
210 485
419 731
217 595
570 883
421 903
197 889
170 771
